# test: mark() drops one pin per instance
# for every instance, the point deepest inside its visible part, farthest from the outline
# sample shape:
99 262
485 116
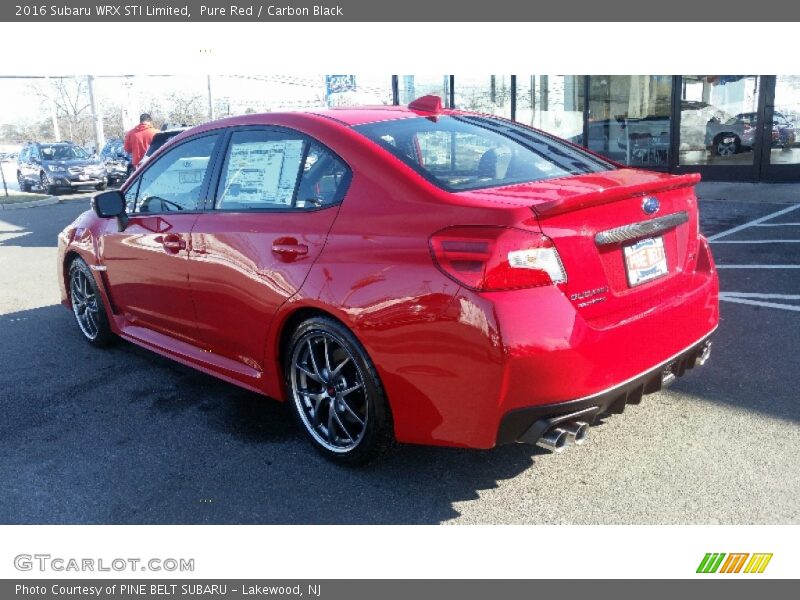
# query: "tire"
101 186
44 183
87 305
336 394
729 149
24 186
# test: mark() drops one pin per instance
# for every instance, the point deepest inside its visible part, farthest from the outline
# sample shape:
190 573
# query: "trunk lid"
593 218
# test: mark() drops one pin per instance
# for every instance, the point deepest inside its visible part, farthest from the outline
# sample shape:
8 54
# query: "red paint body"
208 290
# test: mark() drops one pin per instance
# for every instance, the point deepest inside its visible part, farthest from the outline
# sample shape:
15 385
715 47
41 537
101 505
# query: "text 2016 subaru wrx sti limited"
406 274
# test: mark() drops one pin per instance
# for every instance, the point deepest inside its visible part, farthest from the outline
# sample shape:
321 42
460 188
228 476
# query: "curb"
31 204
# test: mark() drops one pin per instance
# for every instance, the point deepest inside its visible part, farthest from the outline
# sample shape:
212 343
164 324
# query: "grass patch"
17 197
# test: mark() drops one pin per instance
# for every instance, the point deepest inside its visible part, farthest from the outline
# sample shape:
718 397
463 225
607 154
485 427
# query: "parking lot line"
758 266
759 295
755 242
737 300
738 228
777 225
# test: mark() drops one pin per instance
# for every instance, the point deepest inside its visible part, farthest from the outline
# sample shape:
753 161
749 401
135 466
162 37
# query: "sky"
21 103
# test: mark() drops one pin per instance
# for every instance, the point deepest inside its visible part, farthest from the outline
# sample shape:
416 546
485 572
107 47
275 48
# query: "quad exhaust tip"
558 438
705 354
577 431
555 440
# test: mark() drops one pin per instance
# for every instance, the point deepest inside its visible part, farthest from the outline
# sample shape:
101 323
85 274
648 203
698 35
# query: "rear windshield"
460 153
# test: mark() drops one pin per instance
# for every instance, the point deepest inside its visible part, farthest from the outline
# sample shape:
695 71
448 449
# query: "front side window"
278 171
468 152
174 182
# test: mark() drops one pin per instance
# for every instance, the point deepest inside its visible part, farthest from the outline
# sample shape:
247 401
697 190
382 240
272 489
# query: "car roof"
341 116
372 114
348 116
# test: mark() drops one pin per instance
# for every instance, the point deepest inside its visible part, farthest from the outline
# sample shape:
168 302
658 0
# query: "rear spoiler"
563 205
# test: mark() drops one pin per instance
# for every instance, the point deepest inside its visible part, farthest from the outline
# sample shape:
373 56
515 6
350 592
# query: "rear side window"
273 170
323 180
460 153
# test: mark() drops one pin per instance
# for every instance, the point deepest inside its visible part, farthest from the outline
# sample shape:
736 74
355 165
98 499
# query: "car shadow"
749 368
124 436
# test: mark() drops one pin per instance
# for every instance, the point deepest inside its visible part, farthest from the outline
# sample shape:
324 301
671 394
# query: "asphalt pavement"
124 436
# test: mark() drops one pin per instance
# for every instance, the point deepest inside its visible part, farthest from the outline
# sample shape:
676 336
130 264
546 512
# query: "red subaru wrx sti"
406 274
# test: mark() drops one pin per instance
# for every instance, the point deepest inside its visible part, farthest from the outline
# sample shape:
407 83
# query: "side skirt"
211 364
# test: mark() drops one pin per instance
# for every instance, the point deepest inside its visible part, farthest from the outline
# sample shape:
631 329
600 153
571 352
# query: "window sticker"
262 172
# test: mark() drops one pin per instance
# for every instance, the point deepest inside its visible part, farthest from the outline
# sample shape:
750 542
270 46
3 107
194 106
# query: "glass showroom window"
490 94
629 118
358 90
719 118
414 86
785 137
552 103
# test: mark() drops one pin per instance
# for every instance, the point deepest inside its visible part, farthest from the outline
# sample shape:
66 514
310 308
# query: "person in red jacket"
138 139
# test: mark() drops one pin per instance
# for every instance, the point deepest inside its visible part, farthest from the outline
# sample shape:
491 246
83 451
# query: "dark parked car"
58 165
784 133
117 162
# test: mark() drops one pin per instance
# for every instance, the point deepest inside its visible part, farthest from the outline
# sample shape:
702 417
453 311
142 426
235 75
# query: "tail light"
488 258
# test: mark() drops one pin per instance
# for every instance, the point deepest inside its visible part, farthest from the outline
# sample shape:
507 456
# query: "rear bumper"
530 423
508 359
117 171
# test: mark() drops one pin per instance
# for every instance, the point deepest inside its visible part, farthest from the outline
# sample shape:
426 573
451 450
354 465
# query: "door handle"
289 248
172 242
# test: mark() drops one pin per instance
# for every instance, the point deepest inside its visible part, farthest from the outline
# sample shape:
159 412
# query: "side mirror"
111 204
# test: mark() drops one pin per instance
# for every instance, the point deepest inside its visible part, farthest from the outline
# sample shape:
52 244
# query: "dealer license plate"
645 260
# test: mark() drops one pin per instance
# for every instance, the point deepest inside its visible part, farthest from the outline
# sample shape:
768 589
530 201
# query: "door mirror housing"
109 205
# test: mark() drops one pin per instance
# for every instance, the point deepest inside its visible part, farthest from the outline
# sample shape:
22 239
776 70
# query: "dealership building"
727 127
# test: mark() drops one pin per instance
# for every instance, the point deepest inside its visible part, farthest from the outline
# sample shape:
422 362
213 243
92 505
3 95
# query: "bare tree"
73 109
112 120
186 110
18 133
